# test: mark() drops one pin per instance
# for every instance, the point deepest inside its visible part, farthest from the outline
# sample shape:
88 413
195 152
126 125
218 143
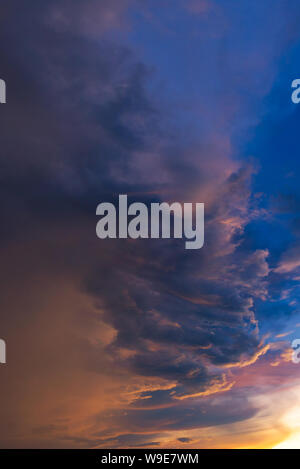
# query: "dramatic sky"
141 343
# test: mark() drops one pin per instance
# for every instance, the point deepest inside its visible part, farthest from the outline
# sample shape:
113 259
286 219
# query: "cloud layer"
125 343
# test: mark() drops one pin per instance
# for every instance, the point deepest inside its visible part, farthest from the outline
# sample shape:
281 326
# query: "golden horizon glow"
292 420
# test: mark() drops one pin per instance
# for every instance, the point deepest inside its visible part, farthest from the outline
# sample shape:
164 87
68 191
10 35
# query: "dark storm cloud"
65 127
217 411
81 127
184 440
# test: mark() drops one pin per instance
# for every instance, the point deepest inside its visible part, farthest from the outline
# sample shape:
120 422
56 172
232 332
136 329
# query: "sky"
124 343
